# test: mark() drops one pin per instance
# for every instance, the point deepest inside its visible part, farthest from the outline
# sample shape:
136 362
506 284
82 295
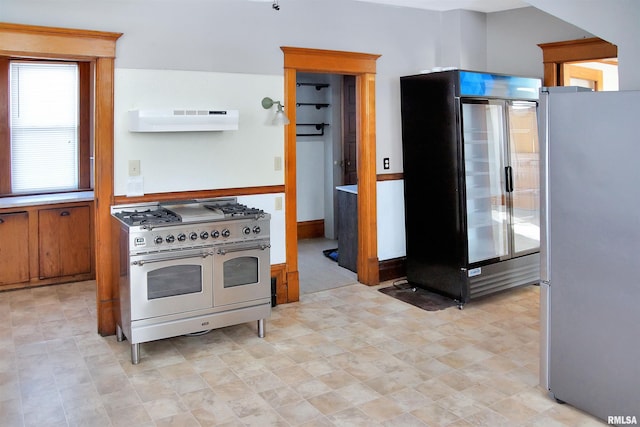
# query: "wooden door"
65 241
349 135
14 248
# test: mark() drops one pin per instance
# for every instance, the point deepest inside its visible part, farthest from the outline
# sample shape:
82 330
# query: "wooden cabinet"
348 229
14 247
46 244
64 247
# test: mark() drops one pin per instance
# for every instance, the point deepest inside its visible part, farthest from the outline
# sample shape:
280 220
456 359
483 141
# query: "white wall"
464 43
183 161
513 37
617 22
228 54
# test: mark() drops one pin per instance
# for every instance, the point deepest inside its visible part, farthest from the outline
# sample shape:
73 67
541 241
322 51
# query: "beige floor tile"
345 356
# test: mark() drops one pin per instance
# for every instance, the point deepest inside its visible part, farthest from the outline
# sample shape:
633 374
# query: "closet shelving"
320 104
319 127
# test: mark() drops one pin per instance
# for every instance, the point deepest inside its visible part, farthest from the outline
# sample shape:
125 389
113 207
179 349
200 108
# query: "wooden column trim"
107 292
5 146
368 271
290 187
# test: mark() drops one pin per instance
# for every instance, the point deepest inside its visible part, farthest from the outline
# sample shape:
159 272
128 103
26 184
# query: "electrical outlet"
134 167
278 203
385 163
277 163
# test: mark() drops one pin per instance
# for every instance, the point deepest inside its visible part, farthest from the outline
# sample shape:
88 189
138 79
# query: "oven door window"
241 271
241 275
173 281
168 284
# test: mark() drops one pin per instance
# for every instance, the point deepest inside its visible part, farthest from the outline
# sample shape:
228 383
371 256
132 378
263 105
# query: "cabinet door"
65 241
14 247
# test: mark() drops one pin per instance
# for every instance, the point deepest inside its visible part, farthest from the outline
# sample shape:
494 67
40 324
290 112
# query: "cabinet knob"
65 213
1 220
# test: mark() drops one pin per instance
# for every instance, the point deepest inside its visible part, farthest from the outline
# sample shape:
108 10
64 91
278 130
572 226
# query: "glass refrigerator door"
525 162
484 144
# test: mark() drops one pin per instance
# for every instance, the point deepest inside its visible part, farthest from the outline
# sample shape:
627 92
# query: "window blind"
44 126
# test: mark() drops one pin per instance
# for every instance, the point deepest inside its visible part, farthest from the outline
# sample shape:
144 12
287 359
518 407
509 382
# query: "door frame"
363 66
555 54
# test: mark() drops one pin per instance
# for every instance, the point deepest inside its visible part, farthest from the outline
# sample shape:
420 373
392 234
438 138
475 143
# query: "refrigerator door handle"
508 179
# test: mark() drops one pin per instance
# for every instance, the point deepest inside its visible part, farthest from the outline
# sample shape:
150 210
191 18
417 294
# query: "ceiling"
486 6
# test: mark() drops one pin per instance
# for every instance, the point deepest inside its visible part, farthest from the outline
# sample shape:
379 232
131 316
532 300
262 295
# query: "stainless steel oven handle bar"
223 251
140 263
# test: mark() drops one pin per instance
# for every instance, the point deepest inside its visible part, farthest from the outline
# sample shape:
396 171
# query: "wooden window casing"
99 49
85 79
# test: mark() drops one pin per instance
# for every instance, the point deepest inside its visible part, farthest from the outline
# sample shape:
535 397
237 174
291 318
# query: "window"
47 148
44 127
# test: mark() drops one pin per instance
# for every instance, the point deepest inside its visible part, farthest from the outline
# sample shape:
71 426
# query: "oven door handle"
143 262
224 251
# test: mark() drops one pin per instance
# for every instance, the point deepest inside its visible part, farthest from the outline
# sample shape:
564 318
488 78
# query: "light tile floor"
349 356
316 271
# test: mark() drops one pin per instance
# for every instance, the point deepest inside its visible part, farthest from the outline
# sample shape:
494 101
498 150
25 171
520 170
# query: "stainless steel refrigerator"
471 182
590 251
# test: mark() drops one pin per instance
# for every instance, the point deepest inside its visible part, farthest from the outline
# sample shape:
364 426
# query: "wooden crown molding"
578 50
319 60
47 42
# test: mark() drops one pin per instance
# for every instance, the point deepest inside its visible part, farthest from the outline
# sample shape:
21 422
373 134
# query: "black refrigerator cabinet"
471 182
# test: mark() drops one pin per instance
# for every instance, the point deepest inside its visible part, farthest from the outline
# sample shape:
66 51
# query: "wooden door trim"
363 66
570 71
99 48
557 53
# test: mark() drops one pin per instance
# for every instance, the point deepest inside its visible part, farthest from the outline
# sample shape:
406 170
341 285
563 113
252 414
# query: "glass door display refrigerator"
471 182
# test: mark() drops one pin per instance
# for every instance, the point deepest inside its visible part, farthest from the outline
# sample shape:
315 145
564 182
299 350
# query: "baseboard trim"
311 229
392 269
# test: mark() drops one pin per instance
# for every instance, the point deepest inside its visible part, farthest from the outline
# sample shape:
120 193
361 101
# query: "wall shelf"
318 105
319 126
318 86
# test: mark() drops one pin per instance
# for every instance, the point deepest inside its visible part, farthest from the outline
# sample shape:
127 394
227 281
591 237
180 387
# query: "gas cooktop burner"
150 215
156 216
234 210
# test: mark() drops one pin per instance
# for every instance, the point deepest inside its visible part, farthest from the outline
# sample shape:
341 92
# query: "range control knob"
226 233
204 235
170 238
158 240
246 230
193 235
215 234
182 237
256 230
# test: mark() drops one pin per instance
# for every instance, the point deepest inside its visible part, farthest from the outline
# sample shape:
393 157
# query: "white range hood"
182 120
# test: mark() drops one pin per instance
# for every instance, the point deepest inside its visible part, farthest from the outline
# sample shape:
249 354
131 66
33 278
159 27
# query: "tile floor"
316 271
349 356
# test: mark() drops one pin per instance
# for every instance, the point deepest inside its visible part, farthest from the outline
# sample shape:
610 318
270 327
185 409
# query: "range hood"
182 120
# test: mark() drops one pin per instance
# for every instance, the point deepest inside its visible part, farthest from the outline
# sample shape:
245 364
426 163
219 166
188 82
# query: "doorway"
557 55
325 159
363 67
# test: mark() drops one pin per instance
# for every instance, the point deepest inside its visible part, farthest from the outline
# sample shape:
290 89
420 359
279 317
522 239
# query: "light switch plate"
134 167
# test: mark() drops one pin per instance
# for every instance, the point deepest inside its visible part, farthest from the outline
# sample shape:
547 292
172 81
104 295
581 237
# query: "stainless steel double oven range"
190 266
